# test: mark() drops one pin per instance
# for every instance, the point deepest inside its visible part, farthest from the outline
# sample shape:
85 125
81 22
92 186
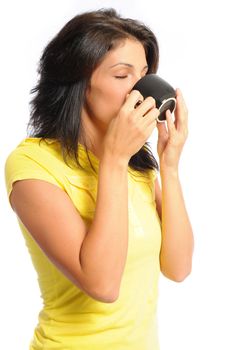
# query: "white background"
196 56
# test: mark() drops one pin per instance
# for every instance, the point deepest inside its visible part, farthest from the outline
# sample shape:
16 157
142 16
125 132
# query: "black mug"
160 90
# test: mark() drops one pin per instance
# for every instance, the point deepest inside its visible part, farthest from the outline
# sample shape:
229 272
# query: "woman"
85 191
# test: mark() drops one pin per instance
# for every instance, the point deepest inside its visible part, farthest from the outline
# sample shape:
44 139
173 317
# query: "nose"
136 78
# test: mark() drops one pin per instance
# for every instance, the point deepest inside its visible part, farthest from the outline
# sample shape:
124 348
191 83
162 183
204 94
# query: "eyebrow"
126 64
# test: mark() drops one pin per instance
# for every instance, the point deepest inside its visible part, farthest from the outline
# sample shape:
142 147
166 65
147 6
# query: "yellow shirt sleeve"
20 166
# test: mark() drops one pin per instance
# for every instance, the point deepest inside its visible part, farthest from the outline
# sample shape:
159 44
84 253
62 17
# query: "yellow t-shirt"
70 319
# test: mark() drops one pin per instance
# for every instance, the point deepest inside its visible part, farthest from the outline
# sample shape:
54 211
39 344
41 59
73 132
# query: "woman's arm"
177 236
92 258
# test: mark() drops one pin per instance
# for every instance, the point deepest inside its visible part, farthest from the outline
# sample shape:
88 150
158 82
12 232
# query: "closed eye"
121 76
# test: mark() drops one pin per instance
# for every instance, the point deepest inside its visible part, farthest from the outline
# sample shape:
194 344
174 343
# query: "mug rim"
163 102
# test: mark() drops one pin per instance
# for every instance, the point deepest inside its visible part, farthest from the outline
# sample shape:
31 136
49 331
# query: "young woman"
84 188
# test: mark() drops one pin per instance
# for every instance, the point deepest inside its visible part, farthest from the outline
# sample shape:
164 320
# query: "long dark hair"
65 68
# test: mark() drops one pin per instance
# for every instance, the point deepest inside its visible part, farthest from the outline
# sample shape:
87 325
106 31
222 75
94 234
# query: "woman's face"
112 80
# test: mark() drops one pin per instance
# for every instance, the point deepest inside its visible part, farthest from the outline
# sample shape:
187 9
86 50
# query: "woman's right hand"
128 132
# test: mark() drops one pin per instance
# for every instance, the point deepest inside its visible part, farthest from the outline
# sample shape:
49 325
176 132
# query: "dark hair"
65 68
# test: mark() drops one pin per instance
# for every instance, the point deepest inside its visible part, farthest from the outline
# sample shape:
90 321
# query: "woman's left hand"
171 138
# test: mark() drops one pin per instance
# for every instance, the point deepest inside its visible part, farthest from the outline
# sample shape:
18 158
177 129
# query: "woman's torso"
70 319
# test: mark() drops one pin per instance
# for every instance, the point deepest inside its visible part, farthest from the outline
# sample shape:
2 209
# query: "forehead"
130 51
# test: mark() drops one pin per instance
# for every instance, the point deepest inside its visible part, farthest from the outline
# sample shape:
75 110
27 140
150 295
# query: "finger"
162 131
145 106
181 97
132 99
181 112
170 123
150 117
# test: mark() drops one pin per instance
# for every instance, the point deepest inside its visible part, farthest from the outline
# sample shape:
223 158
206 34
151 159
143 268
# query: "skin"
112 81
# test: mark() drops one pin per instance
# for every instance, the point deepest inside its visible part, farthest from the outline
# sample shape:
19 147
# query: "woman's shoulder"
39 158
32 159
143 176
37 145
46 152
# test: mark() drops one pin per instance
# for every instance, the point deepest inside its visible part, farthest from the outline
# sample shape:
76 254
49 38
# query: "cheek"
118 92
115 100
107 100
